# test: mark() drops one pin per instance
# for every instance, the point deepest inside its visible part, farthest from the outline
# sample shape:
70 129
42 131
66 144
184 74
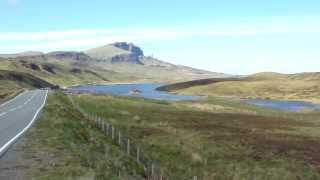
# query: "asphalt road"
17 116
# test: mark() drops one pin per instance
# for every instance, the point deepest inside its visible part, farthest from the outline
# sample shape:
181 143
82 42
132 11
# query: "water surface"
293 106
142 90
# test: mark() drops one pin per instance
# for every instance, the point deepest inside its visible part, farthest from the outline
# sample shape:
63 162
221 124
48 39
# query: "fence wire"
151 168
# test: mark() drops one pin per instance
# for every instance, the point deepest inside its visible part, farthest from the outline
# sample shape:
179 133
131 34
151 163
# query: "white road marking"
4 147
13 109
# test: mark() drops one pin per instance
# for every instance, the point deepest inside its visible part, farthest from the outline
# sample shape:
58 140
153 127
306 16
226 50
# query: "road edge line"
9 143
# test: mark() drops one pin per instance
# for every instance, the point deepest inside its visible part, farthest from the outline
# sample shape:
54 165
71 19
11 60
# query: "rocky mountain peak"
134 56
129 47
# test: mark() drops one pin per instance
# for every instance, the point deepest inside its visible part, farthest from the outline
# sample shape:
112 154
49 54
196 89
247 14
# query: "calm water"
293 106
146 91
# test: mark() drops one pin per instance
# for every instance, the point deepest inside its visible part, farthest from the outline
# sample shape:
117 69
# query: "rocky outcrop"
134 55
126 58
129 47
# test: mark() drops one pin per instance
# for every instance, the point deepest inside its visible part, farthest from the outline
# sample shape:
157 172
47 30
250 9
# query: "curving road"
17 116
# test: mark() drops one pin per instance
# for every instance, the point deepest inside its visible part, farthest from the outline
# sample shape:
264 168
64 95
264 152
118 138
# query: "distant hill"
120 52
200 82
105 52
301 86
12 83
24 79
117 62
22 54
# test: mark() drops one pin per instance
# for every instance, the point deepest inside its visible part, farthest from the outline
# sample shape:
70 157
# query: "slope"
302 86
117 62
12 83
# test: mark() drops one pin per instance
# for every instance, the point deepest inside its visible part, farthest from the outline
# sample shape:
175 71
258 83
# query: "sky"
229 36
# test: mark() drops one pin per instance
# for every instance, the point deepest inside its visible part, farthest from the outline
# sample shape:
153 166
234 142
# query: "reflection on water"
293 106
139 90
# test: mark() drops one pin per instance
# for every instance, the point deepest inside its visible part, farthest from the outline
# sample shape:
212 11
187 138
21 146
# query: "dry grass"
214 141
290 89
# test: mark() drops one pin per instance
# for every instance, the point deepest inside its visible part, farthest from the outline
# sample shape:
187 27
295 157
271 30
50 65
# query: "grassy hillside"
200 82
71 71
305 86
105 52
11 83
217 138
65 71
119 62
22 54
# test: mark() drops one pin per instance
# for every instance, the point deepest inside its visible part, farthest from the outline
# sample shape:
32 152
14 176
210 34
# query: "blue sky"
231 36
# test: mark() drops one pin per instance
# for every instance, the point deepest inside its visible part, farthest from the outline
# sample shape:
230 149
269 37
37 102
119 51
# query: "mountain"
120 52
130 59
117 62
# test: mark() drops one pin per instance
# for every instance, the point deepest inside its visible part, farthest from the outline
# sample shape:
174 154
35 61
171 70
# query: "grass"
62 71
8 89
12 83
65 146
304 86
267 89
234 141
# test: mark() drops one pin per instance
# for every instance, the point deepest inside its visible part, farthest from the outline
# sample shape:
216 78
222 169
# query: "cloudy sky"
231 36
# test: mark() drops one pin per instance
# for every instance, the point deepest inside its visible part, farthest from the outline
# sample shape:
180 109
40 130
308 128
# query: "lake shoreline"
144 90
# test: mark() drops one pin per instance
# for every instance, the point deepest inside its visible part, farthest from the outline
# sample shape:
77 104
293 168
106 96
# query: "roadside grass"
250 143
65 146
8 89
12 83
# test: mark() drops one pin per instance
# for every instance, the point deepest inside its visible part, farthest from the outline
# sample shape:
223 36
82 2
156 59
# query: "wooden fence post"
128 146
105 127
119 138
152 170
96 120
112 132
107 131
102 126
138 154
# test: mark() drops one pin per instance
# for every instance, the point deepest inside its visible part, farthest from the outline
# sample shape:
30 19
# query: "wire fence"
152 169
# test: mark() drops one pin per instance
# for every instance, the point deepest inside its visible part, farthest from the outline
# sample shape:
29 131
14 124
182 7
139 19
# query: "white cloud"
78 39
13 2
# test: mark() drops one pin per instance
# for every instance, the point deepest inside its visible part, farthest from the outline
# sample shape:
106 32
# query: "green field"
217 138
63 145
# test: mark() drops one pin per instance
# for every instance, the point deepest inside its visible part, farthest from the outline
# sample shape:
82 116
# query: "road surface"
17 116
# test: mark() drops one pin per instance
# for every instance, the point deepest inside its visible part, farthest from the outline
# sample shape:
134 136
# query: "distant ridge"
22 54
116 62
